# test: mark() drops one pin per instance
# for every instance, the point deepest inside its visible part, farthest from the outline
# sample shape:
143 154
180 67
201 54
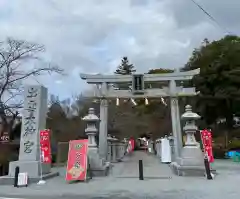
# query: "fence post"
16 177
140 170
207 168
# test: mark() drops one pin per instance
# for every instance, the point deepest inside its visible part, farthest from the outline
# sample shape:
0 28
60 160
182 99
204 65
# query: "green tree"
160 71
125 68
218 81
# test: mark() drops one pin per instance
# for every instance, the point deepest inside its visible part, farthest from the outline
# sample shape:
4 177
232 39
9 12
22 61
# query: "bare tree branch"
16 57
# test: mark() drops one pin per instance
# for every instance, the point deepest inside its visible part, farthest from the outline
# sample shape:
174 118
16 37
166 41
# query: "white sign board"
22 179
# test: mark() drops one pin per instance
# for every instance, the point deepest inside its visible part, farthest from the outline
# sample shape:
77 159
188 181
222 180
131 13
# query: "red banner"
132 142
45 146
77 160
131 145
207 144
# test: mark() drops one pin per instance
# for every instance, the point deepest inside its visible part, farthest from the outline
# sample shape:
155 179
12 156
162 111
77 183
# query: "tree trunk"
7 126
229 121
3 124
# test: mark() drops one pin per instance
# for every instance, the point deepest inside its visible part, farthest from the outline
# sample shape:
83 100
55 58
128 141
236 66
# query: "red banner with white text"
77 160
206 136
45 146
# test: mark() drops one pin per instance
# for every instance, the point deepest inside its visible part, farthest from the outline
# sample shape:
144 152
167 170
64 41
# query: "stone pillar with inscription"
33 120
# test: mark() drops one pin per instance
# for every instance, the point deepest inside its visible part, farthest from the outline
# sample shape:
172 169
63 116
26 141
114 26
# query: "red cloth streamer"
206 136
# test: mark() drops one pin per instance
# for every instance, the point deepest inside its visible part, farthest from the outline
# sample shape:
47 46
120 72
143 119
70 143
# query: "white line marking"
10 198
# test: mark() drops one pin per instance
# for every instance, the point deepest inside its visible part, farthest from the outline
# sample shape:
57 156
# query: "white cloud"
91 36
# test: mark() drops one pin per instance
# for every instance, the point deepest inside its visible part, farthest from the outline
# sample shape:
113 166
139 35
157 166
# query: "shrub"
219 153
234 144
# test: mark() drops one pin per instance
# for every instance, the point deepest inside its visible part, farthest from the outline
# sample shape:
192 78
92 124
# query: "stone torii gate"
106 91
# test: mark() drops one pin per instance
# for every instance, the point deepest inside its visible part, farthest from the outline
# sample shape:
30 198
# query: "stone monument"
98 165
158 147
33 120
113 149
191 160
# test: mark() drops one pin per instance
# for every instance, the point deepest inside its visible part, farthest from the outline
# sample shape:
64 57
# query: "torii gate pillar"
103 127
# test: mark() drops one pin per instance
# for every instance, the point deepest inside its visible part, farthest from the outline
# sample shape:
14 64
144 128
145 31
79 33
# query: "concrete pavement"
123 183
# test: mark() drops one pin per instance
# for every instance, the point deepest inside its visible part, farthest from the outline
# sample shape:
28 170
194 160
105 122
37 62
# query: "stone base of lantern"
32 168
98 166
191 162
181 170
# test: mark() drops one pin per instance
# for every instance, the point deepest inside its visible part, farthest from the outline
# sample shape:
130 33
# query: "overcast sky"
91 36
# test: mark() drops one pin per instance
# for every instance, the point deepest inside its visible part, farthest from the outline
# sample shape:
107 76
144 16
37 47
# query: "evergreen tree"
218 81
125 68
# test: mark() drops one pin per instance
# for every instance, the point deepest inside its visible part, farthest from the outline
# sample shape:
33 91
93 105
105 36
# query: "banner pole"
41 181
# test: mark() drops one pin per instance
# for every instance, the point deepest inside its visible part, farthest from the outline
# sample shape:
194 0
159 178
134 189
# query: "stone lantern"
91 119
191 160
190 127
97 165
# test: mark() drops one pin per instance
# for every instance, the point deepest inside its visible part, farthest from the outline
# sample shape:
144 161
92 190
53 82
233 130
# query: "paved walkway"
123 183
152 167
